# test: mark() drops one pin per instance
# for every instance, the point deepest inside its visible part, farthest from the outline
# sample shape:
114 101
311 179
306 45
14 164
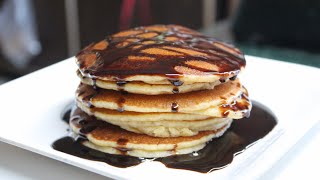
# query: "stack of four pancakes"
157 91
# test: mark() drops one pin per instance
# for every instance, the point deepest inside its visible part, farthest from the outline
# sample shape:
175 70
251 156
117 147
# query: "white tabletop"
302 161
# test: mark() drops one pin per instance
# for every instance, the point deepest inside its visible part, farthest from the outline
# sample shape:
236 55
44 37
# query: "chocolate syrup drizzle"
89 95
176 83
174 107
94 83
113 60
121 84
236 106
217 154
88 99
120 103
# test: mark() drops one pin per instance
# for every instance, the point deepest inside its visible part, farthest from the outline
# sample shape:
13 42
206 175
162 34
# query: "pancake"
139 87
156 54
114 115
158 124
108 138
213 103
157 91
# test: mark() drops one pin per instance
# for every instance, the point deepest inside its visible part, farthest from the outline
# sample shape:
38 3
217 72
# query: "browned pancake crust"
90 96
114 133
107 132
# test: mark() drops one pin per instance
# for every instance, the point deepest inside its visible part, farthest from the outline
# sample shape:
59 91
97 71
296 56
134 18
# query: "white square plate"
31 109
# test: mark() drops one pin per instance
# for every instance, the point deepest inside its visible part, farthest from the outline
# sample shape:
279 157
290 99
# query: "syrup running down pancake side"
216 155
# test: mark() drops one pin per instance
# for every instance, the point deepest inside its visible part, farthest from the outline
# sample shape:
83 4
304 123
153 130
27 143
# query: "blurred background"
38 33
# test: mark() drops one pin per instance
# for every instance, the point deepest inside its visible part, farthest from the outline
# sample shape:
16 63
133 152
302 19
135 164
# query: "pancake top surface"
164 50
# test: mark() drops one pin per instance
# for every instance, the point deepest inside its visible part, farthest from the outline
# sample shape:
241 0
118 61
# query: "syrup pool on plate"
217 154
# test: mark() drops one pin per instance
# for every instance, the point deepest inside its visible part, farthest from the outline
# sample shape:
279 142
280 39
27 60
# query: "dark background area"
284 30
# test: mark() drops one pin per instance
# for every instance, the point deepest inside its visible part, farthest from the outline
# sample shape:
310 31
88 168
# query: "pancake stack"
157 91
